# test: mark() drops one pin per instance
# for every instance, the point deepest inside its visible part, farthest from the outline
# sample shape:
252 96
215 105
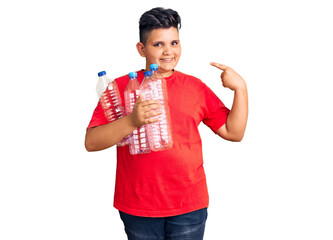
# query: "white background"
275 184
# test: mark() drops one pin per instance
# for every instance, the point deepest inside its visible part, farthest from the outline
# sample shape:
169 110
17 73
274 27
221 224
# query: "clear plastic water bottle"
159 133
109 97
138 141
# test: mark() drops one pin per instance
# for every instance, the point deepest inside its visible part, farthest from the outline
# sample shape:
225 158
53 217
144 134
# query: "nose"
167 50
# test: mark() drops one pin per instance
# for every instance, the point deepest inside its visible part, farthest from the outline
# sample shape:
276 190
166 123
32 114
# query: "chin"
167 67
165 70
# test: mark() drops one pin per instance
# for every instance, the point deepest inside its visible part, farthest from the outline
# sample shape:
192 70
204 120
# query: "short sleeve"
216 112
98 118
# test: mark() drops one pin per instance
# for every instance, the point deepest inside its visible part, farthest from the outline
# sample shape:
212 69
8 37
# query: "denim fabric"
188 226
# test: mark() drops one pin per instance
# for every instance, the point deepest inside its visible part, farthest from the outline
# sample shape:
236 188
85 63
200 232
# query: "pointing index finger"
219 66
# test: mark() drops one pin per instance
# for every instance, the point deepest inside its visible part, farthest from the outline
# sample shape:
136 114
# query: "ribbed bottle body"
109 97
159 133
138 143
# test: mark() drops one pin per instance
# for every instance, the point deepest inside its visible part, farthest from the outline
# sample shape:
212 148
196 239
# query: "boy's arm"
105 136
234 128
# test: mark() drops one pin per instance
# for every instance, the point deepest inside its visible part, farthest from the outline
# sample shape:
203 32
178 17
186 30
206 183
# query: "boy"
163 195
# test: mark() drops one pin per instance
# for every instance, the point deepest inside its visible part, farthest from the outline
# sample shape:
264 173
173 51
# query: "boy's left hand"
230 78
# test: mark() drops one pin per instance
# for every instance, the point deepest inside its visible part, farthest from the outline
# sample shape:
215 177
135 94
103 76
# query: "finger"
154 106
152 117
147 103
153 120
151 114
219 66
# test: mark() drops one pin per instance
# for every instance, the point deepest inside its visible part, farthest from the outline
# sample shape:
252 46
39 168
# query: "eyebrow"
176 40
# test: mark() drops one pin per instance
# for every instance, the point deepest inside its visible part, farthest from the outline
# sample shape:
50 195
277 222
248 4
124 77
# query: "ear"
141 49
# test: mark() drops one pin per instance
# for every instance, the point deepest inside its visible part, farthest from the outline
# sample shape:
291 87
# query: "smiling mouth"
167 59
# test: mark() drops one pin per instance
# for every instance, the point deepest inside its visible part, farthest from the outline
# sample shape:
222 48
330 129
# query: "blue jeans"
188 226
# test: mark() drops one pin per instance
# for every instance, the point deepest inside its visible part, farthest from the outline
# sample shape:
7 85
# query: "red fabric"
170 182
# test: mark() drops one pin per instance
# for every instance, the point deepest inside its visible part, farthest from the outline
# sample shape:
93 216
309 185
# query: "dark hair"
157 18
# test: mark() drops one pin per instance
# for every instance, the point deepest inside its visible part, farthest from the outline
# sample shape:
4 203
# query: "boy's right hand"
145 112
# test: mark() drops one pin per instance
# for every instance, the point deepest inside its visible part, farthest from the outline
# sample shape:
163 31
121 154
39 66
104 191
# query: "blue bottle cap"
102 73
153 67
147 74
133 74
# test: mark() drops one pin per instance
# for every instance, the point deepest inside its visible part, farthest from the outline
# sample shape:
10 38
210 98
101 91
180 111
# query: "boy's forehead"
163 34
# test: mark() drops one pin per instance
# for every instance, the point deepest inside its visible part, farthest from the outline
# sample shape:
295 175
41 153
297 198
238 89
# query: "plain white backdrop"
275 184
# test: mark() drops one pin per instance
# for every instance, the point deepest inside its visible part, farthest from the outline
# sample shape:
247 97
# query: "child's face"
163 48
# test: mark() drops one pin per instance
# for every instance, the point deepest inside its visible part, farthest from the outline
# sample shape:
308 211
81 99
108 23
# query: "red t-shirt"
173 181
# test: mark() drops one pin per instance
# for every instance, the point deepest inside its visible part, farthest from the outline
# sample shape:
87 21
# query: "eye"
158 44
174 43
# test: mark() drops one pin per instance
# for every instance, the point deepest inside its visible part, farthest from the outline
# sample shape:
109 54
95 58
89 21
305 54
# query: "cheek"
154 56
178 52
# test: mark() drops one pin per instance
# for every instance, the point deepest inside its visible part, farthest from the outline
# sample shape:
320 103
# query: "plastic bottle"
138 141
159 133
109 97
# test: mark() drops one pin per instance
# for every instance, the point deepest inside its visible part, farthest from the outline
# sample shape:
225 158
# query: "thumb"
139 99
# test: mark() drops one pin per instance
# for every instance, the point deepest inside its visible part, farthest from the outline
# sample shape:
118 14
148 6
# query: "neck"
166 74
